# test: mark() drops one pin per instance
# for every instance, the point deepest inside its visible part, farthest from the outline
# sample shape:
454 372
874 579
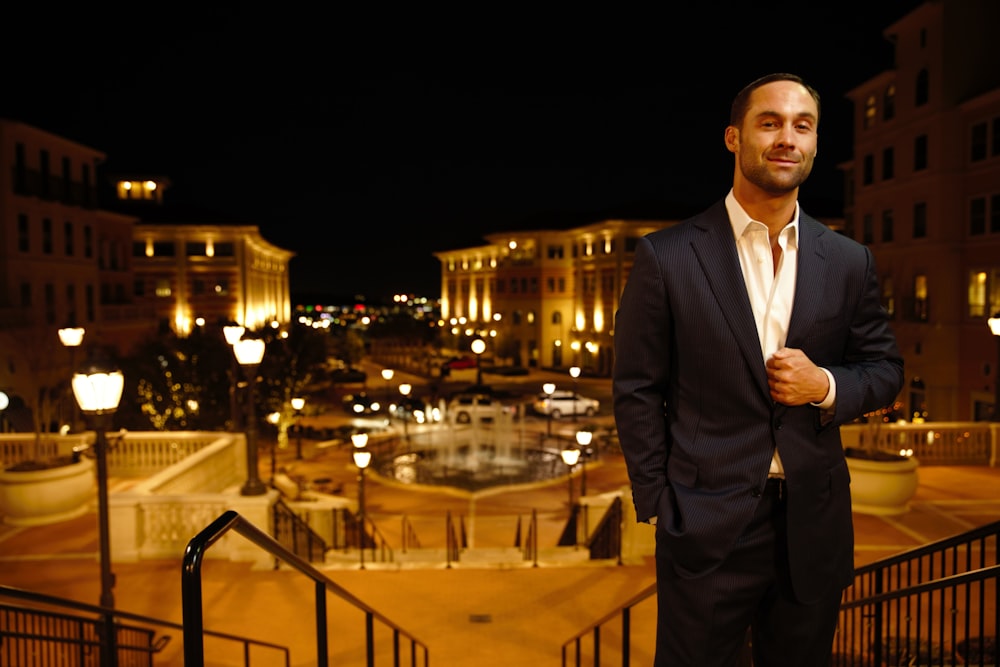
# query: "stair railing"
191 596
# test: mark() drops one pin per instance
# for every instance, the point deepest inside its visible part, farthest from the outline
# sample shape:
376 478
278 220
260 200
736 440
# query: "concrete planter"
882 486
48 495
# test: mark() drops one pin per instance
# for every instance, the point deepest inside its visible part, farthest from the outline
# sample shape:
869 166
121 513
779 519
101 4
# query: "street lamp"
249 352
297 404
98 390
994 323
233 334
405 390
478 347
549 388
72 337
574 372
570 456
387 374
362 458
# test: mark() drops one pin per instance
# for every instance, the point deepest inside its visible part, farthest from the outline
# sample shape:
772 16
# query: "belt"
775 488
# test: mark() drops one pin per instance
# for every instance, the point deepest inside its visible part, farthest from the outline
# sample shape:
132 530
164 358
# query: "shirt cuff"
831 395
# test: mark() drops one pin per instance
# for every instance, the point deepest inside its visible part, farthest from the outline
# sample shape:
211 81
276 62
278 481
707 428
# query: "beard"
775 182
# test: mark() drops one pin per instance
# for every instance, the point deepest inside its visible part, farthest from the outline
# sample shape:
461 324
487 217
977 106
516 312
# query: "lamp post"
574 372
405 390
387 374
233 334
583 440
478 347
297 404
549 388
994 323
98 389
570 456
362 458
249 352
72 338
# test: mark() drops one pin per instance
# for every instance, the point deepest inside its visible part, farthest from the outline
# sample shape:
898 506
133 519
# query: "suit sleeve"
871 374
643 346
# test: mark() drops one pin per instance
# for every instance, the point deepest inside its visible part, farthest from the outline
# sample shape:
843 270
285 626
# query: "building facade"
69 259
542 298
923 192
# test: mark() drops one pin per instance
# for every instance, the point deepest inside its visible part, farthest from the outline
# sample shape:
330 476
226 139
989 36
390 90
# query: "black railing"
606 541
191 597
52 635
294 533
934 605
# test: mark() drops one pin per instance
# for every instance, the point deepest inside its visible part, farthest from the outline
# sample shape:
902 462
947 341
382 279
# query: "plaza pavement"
484 616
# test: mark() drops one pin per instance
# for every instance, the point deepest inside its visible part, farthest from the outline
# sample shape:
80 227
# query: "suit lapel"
716 253
809 278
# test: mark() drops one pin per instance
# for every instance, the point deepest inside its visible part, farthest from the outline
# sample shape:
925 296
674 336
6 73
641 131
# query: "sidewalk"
467 616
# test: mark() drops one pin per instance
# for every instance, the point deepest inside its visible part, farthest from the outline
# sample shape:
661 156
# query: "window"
26 295
88 242
197 286
555 251
561 284
89 297
550 285
888 163
222 286
868 171
923 88
871 110
195 249
163 288
556 317
977 294
47 236
920 153
977 216
163 248
887 225
888 296
67 179
995 214
23 233
977 150
889 102
920 220
995 146
139 288
68 238
920 305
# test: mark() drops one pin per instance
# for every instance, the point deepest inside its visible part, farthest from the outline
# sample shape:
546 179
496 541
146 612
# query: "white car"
464 407
565 403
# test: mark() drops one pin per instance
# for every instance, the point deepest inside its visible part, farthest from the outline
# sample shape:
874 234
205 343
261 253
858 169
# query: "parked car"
565 403
463 408
361 404
456 363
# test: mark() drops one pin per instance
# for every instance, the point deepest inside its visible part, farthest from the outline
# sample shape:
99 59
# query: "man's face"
776 144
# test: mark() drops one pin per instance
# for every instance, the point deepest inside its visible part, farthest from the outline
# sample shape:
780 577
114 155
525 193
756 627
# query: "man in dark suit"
745 337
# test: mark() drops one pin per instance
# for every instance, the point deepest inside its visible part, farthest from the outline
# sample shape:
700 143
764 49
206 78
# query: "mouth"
784 158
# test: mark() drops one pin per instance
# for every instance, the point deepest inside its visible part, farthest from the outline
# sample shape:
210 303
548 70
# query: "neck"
775 211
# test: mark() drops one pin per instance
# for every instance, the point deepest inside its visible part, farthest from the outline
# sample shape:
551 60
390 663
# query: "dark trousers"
703 622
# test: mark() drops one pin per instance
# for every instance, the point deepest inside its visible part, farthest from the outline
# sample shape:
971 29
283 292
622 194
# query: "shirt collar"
739 219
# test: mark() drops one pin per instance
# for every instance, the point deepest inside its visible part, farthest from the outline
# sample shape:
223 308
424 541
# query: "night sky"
364 141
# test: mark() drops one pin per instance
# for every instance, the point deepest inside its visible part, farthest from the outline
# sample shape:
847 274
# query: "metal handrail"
191 594
51 600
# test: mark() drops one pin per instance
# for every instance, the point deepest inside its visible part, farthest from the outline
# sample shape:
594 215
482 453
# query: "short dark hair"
742 101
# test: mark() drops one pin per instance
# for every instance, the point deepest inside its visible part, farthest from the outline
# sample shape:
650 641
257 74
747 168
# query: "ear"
732 139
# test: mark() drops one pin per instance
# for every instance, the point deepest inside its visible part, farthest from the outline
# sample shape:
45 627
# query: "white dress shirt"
771 290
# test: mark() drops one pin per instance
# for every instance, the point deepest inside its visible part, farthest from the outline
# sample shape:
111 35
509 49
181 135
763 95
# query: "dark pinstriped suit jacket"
695 418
